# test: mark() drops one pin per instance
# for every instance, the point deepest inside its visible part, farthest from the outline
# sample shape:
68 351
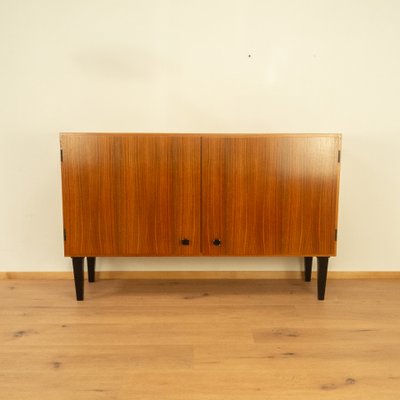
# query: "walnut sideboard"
142 194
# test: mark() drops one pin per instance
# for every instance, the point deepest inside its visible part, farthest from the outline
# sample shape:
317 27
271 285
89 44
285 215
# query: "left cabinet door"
131 194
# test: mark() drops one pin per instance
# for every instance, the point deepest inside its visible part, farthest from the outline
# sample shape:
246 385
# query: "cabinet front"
273 195
131 195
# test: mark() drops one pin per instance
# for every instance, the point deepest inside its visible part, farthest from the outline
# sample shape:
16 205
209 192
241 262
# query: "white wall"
199 66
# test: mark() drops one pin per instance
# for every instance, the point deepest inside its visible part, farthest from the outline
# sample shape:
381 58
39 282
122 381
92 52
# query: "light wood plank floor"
210 339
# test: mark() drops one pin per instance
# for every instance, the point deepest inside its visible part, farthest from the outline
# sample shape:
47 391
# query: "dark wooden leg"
322 274
307 268
77 263
91 264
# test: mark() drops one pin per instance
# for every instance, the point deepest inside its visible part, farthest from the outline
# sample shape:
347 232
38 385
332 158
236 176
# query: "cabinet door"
270 195
131 195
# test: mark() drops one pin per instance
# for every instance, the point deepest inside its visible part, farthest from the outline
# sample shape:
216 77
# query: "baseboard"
202 275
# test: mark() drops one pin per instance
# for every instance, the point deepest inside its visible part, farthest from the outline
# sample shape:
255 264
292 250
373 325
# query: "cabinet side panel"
128 195
270 195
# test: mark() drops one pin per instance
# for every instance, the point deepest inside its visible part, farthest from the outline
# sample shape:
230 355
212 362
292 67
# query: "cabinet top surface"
222 135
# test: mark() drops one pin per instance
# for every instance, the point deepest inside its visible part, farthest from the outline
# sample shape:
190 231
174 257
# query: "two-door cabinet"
138 194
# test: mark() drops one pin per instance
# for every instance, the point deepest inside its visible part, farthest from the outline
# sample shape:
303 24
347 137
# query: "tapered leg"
77 263
322 275
91 264
307 268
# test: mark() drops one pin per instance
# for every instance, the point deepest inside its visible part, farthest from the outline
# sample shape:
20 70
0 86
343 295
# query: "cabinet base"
91 264
322 263
77 263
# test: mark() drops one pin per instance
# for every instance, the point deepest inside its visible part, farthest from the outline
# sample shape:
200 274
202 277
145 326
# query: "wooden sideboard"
145 194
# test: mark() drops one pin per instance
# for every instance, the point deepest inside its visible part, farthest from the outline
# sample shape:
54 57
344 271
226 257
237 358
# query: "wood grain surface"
210 340
129 195
272 195
141 194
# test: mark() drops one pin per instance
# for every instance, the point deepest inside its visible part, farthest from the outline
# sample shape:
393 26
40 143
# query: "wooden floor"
210 339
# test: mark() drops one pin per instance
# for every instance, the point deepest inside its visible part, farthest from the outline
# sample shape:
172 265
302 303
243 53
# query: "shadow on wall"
120 63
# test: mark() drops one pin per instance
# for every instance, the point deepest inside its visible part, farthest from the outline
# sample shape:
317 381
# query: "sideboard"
162 194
